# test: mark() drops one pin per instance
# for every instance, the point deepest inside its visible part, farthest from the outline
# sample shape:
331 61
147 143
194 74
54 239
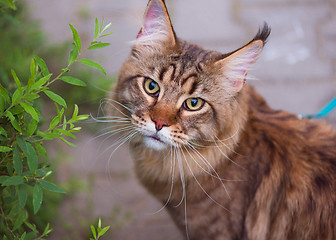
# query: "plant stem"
67 67
4 216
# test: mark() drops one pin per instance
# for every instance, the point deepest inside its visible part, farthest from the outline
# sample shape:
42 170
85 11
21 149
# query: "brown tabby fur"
284 167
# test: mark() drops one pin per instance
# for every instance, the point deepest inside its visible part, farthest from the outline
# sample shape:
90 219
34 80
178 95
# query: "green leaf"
18 222
46 231
64 122
41 82
40 149
53 123
17 161
103 231
76 129
15 208
75 113
31 157
107 26
81 118
43 172
22 194
3 178
66 133
23 236
73 81
16 79
42 65
67 142
104 35
13 181
59 113
48 136
101 25
13 121
31 96
32 73
93 230
57 98
10 3
3 131
9 169
30 110
22 144
37 197
98 46
31 226
92 64
2 104
4 94
96 30
76 37
73 53
17 110
16 96
5 149
51 187
99 223
31 127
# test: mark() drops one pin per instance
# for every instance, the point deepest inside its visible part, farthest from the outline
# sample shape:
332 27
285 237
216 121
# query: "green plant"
23 165
98 232
20 40
7 4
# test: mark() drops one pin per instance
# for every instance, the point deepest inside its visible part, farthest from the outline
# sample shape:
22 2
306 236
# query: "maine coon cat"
206 144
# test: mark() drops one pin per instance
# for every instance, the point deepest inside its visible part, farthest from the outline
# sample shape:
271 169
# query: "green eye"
193 104
151 87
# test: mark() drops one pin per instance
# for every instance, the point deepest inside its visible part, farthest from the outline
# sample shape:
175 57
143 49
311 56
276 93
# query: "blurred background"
296 72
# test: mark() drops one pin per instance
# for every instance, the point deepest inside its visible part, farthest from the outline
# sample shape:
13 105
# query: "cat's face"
177 93
174 99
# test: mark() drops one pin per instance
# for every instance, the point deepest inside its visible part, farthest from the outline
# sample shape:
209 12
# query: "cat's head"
177 93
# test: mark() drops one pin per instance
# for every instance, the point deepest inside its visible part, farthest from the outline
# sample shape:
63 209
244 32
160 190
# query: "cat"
222 162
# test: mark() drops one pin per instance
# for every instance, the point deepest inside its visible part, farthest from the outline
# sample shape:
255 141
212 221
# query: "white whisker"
122 141
227 157
198 183
107 100
212 168
172 171
208 164
113 132
179 160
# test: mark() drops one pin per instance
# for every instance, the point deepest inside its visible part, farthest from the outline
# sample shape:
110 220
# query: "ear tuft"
157 28
263 33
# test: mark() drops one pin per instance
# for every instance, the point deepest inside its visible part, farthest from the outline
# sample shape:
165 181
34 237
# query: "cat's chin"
154 143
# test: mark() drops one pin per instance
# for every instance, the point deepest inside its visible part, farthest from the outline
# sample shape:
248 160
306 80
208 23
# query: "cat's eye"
193 104
151 87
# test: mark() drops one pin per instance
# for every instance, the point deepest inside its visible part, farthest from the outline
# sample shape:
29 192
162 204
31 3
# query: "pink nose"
159 124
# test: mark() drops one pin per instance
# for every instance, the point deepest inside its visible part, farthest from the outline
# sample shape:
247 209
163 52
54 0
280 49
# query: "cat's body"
224 164
288 188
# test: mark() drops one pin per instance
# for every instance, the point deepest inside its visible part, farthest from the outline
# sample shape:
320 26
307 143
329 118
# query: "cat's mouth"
155 137
155 142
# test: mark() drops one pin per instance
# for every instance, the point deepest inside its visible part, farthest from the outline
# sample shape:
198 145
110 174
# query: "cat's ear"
157 29
236 65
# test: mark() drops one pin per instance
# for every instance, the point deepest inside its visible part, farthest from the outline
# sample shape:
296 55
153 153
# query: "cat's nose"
159 124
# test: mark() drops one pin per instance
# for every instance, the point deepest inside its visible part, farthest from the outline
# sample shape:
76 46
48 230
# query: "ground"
296 72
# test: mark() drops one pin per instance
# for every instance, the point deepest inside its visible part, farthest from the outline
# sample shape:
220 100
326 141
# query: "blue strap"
323 112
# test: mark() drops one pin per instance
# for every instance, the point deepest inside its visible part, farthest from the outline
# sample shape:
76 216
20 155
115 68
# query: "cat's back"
295 196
